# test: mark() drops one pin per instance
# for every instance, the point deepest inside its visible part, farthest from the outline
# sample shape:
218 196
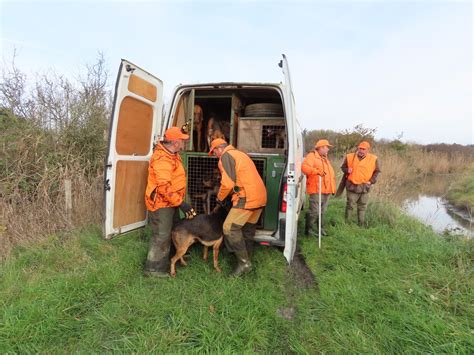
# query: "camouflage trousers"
161 220
313 212
239 230
361 200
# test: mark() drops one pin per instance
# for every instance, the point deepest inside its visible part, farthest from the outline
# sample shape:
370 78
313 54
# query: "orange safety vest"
362 170
249 189
167 178
315 165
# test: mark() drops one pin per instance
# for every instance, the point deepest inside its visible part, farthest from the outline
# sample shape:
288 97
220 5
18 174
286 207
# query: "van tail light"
283 200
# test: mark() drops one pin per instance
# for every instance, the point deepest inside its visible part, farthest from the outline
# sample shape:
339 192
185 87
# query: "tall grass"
411 166
393 287
461 194
51 130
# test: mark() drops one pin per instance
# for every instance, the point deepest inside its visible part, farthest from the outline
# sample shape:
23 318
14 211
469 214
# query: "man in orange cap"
164 194
316 164
362 169
241 180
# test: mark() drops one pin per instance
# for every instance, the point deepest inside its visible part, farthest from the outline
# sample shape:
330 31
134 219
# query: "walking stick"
319 209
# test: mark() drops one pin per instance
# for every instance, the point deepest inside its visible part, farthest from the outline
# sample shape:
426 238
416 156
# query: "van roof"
228 84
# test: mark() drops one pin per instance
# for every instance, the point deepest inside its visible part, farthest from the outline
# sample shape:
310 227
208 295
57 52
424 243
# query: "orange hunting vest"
167 178
313 165
362 170
250 189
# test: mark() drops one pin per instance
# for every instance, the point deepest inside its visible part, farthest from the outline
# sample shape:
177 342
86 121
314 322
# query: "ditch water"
426 202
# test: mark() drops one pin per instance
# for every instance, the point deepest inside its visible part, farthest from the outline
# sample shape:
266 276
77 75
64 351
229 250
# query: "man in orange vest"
241 180
316 164
164 194
362 169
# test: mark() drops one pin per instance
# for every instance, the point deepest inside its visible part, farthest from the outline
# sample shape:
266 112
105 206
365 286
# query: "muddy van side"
257 118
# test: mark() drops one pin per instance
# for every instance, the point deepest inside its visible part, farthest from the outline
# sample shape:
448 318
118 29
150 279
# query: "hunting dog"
217 129
197 126
206 229
276 135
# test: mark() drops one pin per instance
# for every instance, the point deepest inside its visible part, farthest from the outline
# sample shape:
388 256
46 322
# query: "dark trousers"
313 212
361 200
161 221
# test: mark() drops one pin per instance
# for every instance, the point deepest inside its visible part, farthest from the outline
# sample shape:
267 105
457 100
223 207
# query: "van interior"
252 120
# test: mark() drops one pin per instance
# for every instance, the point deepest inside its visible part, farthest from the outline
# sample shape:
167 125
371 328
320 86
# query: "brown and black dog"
206 229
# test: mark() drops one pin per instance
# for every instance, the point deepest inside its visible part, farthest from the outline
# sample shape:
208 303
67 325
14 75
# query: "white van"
258 118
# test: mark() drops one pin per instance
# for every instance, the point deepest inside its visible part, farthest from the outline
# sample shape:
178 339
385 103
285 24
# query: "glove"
188 210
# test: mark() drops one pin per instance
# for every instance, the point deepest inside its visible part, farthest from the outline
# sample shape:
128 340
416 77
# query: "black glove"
188 210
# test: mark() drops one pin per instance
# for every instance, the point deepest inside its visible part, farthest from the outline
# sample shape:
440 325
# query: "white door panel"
137 114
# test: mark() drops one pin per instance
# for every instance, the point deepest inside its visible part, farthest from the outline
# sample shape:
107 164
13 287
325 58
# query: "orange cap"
364 145
322 143
215 143
174 133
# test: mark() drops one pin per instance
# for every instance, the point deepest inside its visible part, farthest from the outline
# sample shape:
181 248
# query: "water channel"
426 201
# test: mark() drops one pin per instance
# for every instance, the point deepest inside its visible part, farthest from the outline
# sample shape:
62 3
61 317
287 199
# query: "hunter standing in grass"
362 169
164 194
241 180
316 164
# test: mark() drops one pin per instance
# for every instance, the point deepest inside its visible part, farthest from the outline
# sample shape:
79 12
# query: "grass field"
393 287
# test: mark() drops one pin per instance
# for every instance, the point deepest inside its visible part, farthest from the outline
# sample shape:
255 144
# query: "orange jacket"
315 165
167 178
362 170
239 175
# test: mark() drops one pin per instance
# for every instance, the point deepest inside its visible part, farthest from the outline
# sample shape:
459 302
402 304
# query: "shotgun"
342 184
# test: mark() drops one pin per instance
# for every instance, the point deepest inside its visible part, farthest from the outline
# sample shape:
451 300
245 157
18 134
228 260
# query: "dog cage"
262 135
203 182
273 136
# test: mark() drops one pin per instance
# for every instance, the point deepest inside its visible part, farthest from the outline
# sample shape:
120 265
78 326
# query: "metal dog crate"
203 182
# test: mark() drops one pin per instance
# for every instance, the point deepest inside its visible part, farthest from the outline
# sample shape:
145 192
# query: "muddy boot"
323 232
307 226
248 232
237 243
243 264
361 219
347 216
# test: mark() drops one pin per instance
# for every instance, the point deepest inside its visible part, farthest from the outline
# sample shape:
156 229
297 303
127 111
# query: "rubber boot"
248 232
307 226
237 243
361 218
347 216
243 264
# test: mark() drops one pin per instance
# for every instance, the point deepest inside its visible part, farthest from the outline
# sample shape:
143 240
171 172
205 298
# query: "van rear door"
136 121
293 167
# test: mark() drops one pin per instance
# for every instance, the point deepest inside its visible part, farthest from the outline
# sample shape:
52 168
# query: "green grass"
392 287
462 193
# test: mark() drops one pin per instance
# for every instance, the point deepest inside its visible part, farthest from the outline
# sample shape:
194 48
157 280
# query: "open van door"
136 121
293 167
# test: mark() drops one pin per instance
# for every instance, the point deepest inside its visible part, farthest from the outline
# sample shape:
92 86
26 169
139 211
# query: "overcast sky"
400 66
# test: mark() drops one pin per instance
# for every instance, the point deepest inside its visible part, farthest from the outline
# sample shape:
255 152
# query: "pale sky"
399 66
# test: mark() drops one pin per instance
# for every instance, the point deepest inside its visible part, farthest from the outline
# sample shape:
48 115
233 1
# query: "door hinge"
107 185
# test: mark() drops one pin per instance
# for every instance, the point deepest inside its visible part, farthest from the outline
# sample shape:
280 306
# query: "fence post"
68 199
